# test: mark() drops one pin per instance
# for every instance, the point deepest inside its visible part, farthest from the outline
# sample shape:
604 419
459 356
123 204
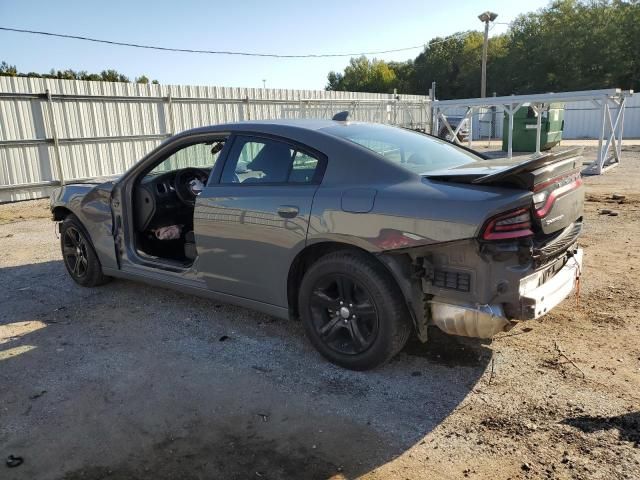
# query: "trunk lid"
553 178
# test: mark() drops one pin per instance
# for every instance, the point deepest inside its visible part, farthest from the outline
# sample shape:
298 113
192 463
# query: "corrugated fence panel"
105 127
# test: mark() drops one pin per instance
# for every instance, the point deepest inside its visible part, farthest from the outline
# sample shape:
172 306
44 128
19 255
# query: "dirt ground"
131 381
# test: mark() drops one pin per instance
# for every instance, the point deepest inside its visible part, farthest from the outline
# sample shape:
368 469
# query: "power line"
230 52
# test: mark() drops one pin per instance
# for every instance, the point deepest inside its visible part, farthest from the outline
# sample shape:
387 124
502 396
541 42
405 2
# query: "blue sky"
290 27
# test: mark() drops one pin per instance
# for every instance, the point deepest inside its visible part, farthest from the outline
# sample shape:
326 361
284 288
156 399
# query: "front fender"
92 205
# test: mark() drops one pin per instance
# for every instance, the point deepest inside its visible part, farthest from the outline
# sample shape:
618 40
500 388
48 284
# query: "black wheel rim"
344 315
74 250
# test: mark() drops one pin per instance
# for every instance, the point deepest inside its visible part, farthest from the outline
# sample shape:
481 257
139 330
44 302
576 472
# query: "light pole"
264 83
485 17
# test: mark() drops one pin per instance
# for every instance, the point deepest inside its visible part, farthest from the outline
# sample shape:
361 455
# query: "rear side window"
267 161
414 151
303 169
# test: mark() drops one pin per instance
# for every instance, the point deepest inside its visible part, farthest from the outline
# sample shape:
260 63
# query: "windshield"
414 151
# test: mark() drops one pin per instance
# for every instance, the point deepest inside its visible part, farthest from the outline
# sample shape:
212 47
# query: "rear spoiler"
529 166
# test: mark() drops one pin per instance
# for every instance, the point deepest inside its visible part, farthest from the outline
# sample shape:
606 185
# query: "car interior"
164 201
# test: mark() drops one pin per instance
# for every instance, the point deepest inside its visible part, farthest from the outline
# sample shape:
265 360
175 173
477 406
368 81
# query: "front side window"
267 161
199 155
414 151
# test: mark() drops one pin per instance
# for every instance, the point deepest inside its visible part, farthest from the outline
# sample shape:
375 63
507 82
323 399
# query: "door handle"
288 211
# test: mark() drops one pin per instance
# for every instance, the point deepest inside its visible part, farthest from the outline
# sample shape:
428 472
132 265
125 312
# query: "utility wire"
230 52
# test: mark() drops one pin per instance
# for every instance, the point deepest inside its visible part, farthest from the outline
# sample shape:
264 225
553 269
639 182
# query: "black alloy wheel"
74 249
352 310
344 314
78 254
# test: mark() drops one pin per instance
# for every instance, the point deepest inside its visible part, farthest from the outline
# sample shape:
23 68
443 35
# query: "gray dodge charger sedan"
367 233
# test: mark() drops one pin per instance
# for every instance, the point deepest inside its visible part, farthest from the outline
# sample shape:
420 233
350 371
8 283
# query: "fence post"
395 106
621 130
169 113
433 119
243 110
54 135
470 139
492 133
510 111
538 109
603 114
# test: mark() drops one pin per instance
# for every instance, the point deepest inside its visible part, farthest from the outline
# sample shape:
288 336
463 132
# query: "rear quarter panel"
408 214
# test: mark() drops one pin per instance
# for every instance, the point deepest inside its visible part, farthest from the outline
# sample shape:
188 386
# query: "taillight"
539 199
514 224
543 200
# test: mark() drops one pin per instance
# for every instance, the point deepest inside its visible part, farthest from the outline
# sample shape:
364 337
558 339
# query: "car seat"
274 161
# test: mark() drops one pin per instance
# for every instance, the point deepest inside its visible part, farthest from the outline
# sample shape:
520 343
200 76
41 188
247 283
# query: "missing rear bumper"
538 298
480 321
538 294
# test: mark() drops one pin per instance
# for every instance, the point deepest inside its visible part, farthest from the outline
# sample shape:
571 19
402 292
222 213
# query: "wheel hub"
344 314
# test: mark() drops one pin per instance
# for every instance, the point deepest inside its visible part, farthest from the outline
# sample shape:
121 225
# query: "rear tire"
78 254
369 327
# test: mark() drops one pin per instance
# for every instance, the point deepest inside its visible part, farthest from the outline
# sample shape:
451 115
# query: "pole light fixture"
486 18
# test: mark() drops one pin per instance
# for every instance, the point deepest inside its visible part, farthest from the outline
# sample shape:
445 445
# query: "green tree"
569 45
573 45
454 63
363 75
405 74
113 76
7 70
70 74
145 80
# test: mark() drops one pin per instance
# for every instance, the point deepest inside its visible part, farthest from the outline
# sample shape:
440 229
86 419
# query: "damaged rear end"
523 262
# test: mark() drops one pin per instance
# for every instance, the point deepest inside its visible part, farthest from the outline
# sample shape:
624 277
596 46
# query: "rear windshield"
414 151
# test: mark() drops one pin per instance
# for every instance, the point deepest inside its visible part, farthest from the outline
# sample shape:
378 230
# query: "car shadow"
133 381
628 425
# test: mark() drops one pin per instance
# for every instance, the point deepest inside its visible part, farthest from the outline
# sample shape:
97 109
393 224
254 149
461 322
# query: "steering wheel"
187 183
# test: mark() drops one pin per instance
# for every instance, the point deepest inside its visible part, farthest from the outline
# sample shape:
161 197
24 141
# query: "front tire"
353 311
78 254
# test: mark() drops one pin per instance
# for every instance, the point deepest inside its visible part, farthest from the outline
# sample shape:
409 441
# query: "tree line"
110 75
569 45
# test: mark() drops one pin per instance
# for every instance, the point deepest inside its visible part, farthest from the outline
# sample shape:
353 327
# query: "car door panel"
250 224
247 236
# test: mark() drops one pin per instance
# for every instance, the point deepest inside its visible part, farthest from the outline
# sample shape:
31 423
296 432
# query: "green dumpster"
524 128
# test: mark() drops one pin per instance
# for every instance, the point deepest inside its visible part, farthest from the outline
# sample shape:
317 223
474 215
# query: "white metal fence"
90 129
66 129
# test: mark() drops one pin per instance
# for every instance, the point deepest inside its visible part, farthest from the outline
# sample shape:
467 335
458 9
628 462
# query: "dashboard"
156 202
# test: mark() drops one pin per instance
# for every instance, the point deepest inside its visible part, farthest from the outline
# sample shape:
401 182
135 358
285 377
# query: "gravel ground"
131 381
